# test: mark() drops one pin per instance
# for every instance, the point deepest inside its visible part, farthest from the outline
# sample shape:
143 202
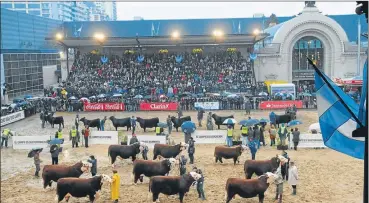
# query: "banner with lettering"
159 106
11 118
210 136
150 140
280 104
30 142
103 137
103 106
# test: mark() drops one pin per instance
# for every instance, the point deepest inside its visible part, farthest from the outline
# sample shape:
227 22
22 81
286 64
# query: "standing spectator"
200 116
133 124
200 185
244 131
209 122
257 135
182 165
306 101
144 151
248 108
5 137
115 184
285 165
262 138
293 177
86 134
76 121
229 136
272 135
74 136
180 114
253 147
133 139
93 161
282 132
102 124
170 126
279 183
191 149
54 150
296 138
37 161
187 136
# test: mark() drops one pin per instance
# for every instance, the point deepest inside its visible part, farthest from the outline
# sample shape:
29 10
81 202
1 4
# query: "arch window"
310 47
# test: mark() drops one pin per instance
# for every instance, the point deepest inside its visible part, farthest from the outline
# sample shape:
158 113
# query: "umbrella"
162 96
188 127
198 108
138 96
232 95
84 99
249 122
72 98
28 96
147 97
278 94
184 94
264 120
263 94
229 121
294 122
33 152
92 97
162 125
216 94
55 141
306 94
117 95
315 126
101 96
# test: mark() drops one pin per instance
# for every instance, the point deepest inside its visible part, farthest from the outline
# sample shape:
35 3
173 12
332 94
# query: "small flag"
239 27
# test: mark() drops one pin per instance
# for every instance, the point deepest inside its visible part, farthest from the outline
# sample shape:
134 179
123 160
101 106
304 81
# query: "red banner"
280 104
103 107
159 106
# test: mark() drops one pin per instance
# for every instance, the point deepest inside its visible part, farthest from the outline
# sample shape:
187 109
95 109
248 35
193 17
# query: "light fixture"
58 36
99 36
218 33
256 31
175 35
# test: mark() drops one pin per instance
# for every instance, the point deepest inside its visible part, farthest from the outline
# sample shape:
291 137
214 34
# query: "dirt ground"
324 175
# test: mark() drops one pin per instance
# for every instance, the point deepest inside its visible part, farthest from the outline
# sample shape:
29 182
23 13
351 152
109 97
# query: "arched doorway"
302 72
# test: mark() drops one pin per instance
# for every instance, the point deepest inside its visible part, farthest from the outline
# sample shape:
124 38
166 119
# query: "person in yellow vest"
115 186
5 136
74 136
158 130
229 136
282 132
244 131
59 135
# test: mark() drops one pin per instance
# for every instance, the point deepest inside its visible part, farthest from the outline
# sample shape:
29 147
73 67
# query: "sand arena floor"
325 176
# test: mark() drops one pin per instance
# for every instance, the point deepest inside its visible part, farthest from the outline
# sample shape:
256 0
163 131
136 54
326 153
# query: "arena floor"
325 176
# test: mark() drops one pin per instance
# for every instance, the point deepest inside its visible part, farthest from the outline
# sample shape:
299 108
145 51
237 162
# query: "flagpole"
335 93
358 46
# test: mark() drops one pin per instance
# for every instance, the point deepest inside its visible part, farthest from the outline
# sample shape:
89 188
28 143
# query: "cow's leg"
91 197
216 159
229 197
235 160
220 159
261 197
144 129
137 176
218 127
113 158
46 183
155 156
249 175
177 129
155 197
181 195
133 158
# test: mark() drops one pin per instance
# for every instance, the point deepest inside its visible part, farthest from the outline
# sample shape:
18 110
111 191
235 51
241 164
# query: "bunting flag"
104 59
337 117
364 93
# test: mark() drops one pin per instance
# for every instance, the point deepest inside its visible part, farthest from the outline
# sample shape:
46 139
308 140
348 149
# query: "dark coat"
94 165
227 153
148 123
123 151
95 123
220 119
246 188
259 167
123 122
170 185
55 172
177 123
150 168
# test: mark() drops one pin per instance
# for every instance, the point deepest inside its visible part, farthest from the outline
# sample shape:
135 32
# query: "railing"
272 48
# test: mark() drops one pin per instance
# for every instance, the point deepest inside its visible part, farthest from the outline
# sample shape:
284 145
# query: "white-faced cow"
152 168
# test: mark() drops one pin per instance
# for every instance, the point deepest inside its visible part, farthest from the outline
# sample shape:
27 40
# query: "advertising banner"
159 106
30 142
280 104
209 136
103 137
309 141
208 105
11 118
103 107
150 141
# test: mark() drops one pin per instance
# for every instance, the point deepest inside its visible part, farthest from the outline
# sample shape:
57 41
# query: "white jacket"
293 175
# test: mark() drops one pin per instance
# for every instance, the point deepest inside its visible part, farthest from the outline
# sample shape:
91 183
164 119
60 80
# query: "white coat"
293 175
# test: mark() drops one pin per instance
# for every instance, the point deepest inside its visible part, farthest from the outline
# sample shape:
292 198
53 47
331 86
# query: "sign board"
11 118
309 141
103 137
159 106
150 141
103 106
208 105
209 136
308 74
30 142
280 104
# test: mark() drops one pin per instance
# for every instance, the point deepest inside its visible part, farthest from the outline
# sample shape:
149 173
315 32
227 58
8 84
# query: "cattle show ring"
318 167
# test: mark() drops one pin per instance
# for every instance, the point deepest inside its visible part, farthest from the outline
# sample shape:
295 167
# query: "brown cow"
152 168
55 172
262 166
228 153
168 151
248 188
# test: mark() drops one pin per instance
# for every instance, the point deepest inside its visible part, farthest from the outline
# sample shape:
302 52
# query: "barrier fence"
207 105
103 137
103 107
309 141
150 141
29 142
159 106
11 118
209 137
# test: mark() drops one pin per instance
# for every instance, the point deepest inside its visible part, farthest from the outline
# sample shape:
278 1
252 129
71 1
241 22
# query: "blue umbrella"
198 108
293 122
250 122
56 141
229 121
162 125
263 94
138 96
264 120
28 96
188 127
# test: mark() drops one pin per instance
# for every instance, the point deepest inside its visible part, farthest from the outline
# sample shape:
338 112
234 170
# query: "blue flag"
338 117
364 93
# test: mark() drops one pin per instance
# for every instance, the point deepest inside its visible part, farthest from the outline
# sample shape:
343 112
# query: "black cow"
124 151
148 123
168 151
259 167
124 122
55 172
80 187
279 119
248 188
177 123
91 123
228 153
171 185
220 119
55 120
152 168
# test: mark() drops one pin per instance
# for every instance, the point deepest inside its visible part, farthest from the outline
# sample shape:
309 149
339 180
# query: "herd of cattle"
70 185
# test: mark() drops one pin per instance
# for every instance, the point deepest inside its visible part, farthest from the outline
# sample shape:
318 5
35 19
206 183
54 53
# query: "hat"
115 171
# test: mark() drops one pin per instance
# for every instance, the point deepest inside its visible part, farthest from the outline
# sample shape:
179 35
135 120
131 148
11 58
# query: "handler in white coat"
293 177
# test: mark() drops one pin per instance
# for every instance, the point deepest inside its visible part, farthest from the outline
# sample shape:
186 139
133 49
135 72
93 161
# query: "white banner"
11 118
309 141
103 137
208 105
30 142
209 136
150 141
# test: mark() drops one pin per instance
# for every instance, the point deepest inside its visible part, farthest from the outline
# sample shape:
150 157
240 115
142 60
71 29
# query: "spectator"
37 162
102 123
133 124
272 135
244 131
74 135
5 137
54 151
170 125
229 136
133 139
296 138
209 122
253 147
115 185
86 134
293 177
182 165
200 185
200 116
191 149
257 135
93 161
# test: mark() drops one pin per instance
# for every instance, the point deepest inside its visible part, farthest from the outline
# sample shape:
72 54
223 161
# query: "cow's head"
142 146
111 118
105 179
86 166
195 175
82 119
172 162
243 148
282 159
183 146
270 177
